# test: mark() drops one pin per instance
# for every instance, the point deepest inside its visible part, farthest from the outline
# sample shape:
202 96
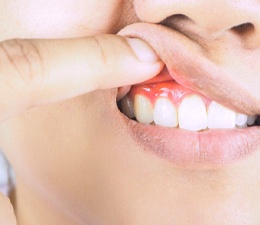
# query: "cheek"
55 146
69 153
59 18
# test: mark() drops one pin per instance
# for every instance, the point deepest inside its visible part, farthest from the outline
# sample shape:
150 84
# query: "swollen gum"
168 89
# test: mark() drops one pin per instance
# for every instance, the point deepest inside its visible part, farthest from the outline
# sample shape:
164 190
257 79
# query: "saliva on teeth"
179 108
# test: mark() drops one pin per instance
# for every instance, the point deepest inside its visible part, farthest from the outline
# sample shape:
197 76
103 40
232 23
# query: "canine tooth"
251 120
220 116
127 107
165 113
192 113
143 109
241 119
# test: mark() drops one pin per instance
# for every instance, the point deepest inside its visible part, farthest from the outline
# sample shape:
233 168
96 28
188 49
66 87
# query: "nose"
214 17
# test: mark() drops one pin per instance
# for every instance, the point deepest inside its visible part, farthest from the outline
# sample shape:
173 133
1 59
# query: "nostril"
243 29
173 20
176 17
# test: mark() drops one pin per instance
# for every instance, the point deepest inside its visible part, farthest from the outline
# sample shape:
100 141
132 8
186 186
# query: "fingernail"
142 50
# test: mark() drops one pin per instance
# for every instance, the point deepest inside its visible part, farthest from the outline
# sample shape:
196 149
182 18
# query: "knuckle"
22 60
101 50
107 50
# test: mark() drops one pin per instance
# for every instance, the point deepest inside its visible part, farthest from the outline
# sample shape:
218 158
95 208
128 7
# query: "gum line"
169 89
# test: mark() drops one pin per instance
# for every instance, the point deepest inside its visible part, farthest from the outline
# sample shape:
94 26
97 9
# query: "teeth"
241 119
251 120
192 114
143 109
127 107
220 116
165 113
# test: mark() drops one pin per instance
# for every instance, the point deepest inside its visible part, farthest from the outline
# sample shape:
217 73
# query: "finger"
35 72
7 216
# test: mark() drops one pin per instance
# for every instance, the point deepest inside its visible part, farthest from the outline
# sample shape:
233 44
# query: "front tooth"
143 109
251 120
192 114
127 107
241 119
220 116
165 113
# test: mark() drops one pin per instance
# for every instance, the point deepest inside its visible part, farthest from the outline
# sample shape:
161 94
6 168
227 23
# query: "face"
88 163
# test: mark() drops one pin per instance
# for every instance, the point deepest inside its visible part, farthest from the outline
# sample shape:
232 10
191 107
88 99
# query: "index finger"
36 72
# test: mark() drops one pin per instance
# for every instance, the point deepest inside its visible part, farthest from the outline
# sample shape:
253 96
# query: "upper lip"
188 65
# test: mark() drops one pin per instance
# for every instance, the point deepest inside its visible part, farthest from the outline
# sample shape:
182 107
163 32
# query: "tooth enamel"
241 119
251 120
192 113
242 126
220 116
127 107
165 113
143 109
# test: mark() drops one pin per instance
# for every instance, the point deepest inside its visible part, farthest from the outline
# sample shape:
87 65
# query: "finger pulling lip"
187 64
162 76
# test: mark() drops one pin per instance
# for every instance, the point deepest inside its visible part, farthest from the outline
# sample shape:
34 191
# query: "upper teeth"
241 119
251 120
220 116
165 113
192 113
127 107
143 109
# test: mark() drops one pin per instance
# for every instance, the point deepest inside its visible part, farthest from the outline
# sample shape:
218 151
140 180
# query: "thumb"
7 216
36 72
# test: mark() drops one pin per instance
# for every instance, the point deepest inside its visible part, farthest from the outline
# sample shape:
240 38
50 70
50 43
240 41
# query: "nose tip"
213 17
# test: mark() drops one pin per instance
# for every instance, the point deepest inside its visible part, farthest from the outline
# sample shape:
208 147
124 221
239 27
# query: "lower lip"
189 149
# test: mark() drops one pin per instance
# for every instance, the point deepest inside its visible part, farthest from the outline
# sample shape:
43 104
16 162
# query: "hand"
7 216
37 72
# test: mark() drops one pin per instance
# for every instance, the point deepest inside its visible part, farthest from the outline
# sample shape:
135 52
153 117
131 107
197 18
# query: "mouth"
164 102
178 118
187 128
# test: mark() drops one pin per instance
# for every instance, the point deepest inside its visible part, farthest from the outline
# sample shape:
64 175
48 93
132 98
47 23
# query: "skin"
72 165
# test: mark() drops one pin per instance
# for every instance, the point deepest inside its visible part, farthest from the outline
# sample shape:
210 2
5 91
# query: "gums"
167 89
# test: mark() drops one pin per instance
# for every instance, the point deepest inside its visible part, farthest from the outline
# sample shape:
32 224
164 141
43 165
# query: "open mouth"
194 112
169 104
187 128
